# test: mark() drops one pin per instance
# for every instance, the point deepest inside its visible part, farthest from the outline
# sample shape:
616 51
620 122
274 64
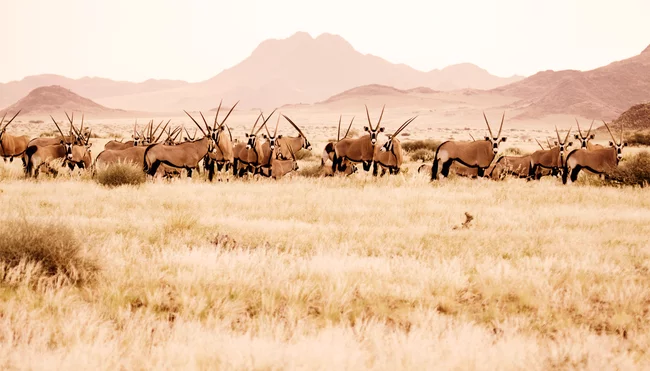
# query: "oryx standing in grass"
296 143
549 159
389 156
11 146
598 161
358 149
518 166
477 154
221 154
38 156
185 155
249 153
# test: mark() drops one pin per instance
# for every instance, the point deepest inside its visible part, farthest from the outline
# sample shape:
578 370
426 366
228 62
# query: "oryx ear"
503 139
570 144
592 136
185 139
487 138
247 135
624 144
611 143
381 130
265 136
279 136
555 142
365 128
576 136
89 145
62 142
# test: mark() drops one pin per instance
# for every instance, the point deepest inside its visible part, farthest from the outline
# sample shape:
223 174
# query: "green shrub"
422 154
119 174
53 251
414 145
633 171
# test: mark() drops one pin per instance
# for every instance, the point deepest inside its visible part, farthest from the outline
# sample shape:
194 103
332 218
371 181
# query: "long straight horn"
204 122
265 121
229 112
275 132
549 143
592 124
380 116
197 124
501 126
214 126
349 126
404 125
162 131
368 114
539 144
338 133
579 131
3 118
71 119
567 135
89 134
471 136
488 124
57 126
610 132
295 126
257 120
621 142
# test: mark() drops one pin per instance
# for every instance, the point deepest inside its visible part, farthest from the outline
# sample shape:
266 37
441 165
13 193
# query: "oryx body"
360 149
11 146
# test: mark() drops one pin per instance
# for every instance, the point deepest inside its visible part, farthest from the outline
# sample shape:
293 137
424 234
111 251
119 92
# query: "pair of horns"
380 117
3 120
404 125
612 135
338 134
541 146
500 127
253 132
565 138
588 131
214 125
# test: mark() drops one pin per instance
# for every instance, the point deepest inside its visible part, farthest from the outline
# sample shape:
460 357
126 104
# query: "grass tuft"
414 145
120 174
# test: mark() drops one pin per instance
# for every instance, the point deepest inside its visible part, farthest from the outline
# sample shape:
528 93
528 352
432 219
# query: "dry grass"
339 273
119 174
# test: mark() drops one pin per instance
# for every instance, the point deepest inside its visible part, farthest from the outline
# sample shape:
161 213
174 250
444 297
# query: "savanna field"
323 273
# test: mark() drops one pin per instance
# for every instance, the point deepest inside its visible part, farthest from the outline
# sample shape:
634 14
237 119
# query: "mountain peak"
646 50
48 99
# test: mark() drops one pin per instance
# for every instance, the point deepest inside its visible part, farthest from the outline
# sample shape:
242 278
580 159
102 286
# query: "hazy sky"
194 40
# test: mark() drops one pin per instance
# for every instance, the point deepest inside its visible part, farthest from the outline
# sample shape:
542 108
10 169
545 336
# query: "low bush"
33 252
639 139
414 145
513 151
120 174
312 171
422 154
304 155
633 171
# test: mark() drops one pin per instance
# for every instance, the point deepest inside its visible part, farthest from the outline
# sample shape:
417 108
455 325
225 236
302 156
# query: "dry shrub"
48 134
424 155
312 171
639 139
305 155
36 253
513 151
634 171
119 174
414 145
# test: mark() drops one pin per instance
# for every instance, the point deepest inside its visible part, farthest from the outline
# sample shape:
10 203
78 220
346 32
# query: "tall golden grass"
337 273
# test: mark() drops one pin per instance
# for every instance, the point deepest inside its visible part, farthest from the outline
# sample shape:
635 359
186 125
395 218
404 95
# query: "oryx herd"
273 155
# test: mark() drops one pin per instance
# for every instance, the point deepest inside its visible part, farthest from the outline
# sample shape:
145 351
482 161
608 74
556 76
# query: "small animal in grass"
466 224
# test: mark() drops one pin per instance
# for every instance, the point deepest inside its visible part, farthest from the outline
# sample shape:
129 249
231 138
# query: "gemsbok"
389 155
477 154
11 146
186 155
598 161
517 166
586 138
38 156
280 166
328 151
220 155
249 154
296 143
549 159
360 149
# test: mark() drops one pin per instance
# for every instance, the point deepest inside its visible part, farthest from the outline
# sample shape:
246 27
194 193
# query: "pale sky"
194 40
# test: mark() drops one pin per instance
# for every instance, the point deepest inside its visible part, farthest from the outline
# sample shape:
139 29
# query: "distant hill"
635 118
91 87
54 99
303 69
602 93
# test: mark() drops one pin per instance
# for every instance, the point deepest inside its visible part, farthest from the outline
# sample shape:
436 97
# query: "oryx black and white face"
619 149
494 142
136 140
374 133
584 140
68 149
388 146
252 139
563 144
306 145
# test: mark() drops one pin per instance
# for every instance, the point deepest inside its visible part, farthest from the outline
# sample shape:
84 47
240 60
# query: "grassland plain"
332 273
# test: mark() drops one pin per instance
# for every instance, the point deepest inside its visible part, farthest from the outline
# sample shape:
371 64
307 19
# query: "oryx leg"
480 172
575 172
366 165
446 166
374 169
